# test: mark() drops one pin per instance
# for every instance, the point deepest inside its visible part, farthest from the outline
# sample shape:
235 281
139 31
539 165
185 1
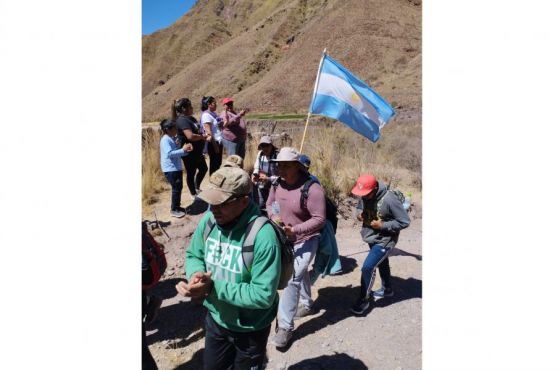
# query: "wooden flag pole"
314 92
304 131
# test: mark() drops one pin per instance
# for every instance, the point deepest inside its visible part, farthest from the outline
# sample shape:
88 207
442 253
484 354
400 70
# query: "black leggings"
215 157
193 163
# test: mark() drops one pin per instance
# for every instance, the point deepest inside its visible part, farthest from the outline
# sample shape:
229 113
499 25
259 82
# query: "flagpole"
314 91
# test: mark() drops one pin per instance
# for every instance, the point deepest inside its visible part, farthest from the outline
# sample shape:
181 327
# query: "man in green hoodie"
241 300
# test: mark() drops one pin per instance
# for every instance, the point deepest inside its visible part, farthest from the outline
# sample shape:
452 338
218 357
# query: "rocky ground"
389 336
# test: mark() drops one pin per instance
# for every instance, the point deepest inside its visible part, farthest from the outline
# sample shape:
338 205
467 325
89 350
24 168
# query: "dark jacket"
386 206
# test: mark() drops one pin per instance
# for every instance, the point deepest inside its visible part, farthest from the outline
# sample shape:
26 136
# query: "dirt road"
387 337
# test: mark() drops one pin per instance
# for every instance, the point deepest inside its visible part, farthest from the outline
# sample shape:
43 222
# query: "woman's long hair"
206 101
179 107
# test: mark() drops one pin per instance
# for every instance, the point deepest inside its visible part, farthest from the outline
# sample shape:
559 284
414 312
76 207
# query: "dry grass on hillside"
152 176
338 156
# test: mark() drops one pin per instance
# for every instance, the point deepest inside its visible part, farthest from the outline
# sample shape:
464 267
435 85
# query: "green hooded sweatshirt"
240 300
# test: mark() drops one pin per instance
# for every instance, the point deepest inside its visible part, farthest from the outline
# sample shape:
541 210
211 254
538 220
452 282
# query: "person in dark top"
190 131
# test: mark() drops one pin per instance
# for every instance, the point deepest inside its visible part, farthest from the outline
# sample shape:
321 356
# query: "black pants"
215 156
226 349
148 362
192 163
175 179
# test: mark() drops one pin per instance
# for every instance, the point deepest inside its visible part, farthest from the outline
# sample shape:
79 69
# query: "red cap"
227 100
364 185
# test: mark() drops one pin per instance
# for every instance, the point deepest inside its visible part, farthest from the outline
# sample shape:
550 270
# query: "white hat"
287 154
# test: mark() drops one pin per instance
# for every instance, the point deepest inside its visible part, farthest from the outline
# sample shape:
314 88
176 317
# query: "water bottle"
276 213
407 201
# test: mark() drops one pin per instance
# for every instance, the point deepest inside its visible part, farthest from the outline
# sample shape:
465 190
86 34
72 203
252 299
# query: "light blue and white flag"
340 95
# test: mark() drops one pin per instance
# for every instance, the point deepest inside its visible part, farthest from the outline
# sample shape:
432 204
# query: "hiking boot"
281 338
382 293
303 311
154 303
361 306
177 214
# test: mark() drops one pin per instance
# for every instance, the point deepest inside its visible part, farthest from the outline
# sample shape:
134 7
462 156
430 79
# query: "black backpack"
248 247
331 208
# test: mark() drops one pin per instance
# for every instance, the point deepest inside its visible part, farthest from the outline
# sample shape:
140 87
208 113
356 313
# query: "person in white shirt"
265 172
213 126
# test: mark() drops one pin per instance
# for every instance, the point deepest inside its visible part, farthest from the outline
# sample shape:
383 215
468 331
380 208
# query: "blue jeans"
378 257
234 148
299 286
175 179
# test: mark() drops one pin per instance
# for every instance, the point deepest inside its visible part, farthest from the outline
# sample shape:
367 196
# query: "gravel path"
389 336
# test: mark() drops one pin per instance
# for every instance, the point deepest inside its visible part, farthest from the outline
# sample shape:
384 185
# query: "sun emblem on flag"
355 97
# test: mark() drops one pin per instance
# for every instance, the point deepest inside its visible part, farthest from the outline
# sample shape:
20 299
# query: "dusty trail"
388 337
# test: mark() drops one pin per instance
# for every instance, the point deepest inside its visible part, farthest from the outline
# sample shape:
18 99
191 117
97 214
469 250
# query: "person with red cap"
234 133
383 217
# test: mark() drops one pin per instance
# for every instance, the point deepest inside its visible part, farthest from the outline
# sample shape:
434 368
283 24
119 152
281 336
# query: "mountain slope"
265 53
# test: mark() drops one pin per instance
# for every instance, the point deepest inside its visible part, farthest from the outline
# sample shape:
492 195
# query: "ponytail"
206 100
173 111
180 107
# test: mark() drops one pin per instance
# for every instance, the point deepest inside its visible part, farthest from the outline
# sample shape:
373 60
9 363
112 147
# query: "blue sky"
157 14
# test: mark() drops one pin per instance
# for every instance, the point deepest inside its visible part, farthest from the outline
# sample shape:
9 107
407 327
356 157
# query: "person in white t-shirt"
212 125
265 172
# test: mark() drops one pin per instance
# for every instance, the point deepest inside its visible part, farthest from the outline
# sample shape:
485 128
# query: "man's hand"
360 216
181 288
288 229
263 178
187 147
377 224
197 288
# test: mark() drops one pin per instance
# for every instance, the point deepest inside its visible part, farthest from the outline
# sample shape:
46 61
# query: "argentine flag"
342 96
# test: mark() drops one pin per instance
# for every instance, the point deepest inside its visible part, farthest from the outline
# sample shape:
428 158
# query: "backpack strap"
210 223
305 192
249 243
380 203
270 163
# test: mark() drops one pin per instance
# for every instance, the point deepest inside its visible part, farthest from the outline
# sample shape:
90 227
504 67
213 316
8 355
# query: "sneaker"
177 214
154 303
303 311
281 338
382 293
361 306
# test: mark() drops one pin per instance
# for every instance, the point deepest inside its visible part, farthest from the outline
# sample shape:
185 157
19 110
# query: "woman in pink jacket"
302 225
